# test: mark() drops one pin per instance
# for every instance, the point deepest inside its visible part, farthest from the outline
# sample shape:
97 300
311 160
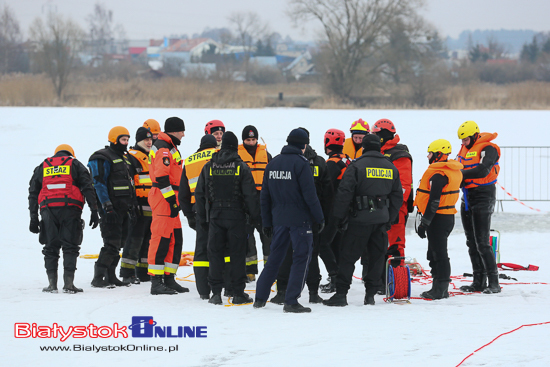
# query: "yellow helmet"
440 145
66 148
469 128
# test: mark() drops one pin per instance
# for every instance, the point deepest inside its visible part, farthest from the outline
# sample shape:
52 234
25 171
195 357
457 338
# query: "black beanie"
298 138
250 132
371 142
208 141
306 130
230 141
173 124
143 133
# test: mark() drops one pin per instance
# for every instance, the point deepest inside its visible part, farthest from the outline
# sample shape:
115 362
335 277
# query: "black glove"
34 227
174 207
421 230
267 231
318 227
94 219
192 221
110 216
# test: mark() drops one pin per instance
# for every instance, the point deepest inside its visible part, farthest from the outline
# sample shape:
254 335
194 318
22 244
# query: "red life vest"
58 188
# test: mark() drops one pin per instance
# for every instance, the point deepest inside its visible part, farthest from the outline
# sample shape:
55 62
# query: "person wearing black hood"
192 168
291 213
225 193
110 169
324 190
256 157
372 188
133 265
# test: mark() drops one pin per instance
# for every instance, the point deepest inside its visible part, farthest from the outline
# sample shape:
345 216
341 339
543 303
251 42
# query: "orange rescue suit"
257 164
472 157
451 191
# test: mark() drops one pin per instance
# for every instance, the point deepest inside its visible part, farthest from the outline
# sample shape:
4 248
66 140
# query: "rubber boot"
158 287
337 300
478 285
68 280
141 274
131 280
314 298
494 286
170 282
242 299
216 299
52 279
296 308
330 287
100 277
228 292
111 273
205 297
369 300
279 298
440 290
258 303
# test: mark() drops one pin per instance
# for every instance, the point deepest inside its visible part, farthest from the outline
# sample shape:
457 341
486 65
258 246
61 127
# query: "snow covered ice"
423 333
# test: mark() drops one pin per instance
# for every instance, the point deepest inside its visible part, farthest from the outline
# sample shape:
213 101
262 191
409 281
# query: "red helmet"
383 124
360 126
334 137
214 125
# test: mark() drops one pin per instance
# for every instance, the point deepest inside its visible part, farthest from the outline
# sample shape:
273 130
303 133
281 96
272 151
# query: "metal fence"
524 173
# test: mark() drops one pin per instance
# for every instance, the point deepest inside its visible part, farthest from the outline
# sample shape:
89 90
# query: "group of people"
355 204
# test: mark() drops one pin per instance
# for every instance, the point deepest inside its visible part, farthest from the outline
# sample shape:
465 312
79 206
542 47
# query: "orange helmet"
65 147
360 126
383 124
116 132
152 125
334 137
214 125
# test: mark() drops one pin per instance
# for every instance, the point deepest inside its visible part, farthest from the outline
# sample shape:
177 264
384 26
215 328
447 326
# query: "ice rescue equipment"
58 187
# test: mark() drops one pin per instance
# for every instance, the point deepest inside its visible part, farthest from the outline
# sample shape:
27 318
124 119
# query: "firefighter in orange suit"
165 166
352 146
58 188
133 265
189 177
436 198
154 127
480 157
256 157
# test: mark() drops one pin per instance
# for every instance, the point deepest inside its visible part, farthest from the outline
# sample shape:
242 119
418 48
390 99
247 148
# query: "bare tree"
249 28
57 42
354 35
104 35
10 41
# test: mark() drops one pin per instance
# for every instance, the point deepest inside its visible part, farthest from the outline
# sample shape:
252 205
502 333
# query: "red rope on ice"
508 332
519 201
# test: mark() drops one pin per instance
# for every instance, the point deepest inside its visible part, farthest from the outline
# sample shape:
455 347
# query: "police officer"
133 265
225 193
110 168
189 177
435 201
256 157
352 146
480 157
371 186
58 187
289 208
323 188
166 235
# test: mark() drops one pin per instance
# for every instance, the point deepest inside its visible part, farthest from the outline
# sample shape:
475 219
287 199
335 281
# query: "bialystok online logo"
141 327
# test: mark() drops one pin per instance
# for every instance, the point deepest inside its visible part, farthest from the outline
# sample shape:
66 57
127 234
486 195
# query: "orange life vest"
337 158
257 164
142 181
349 149
471 158
193 167
58 188
451 191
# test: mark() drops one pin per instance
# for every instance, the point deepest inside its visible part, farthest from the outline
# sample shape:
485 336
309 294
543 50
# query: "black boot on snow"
205 297
478 285
170 282
52 280
68 287
242 299
100 277
296 308
258 303
141 274
228 292
330 287
440 290
131 280
493 287
216 299
111 273
314 298
337 300
369 300
279 298
158 287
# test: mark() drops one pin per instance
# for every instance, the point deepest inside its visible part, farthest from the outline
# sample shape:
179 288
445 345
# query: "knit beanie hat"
142 134
173 124
230 141
250 131
208 141
298 138
371 142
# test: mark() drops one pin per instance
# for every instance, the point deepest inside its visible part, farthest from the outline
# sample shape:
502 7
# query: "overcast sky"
158 18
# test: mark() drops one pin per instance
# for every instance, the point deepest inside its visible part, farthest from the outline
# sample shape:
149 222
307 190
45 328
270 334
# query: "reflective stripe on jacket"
193 167
165 166
142 180
58 188
451 191
471 158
